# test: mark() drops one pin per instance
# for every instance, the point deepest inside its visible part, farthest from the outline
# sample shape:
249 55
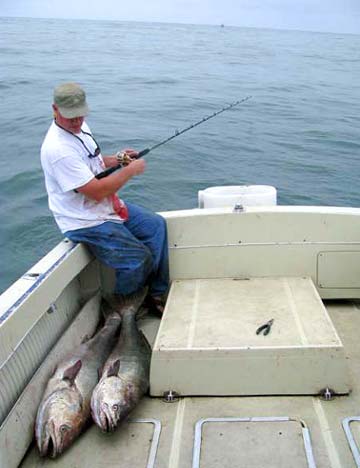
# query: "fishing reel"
123 158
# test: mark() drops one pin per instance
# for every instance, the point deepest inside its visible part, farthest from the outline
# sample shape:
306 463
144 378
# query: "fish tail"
120 304
109 312
130 303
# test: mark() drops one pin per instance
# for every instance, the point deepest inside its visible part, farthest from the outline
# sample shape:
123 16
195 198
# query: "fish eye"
115 407
64 428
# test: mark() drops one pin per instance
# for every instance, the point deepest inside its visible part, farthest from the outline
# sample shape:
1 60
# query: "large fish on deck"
125 378
65 406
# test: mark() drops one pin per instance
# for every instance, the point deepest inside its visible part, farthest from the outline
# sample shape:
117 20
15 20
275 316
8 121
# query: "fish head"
60 419
112 400
59 422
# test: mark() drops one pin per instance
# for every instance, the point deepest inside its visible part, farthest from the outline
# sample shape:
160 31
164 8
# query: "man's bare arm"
98 189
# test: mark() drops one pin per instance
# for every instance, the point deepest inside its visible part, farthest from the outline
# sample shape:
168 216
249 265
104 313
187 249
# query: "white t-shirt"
66 166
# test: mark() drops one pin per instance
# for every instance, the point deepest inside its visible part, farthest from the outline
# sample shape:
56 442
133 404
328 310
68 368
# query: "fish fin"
71 372
113 369
85 339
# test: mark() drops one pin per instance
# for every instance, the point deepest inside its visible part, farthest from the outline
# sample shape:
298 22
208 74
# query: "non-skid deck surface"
231 444
205 313
209 329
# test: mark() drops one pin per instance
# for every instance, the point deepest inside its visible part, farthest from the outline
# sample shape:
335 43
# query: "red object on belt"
119 207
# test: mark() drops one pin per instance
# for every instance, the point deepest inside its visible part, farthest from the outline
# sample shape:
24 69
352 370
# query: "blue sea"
300 132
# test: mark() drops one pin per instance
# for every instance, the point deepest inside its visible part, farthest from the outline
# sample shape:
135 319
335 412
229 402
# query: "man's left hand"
125 156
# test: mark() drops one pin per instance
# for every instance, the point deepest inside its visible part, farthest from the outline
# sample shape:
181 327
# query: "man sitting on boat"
126 237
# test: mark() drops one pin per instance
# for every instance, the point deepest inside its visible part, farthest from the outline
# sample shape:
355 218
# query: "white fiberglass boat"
221 395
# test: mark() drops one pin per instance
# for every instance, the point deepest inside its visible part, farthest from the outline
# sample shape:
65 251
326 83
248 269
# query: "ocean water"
300 132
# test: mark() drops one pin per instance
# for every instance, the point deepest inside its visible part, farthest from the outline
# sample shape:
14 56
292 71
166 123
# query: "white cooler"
232 195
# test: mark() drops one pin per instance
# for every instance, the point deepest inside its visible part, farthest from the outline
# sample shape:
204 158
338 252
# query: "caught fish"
65 406
125 378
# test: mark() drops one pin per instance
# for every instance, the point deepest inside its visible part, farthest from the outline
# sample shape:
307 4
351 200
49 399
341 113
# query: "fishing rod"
177 133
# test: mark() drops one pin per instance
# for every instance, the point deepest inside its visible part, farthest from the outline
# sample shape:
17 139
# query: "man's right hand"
137 166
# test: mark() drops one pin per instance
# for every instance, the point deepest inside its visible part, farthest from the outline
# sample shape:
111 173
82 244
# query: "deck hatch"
154 440
350 438
207 342
198 440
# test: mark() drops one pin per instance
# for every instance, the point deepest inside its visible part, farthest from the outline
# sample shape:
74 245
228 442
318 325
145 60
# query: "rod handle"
107 172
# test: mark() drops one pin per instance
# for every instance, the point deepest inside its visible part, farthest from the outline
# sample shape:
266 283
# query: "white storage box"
231 195
207 342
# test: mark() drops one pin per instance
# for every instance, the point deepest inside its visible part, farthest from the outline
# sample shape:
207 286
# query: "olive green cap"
71 100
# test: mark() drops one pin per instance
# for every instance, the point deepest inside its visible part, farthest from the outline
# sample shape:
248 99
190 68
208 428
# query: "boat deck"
302 431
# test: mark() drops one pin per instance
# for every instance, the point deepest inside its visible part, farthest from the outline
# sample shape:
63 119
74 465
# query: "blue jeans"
137 250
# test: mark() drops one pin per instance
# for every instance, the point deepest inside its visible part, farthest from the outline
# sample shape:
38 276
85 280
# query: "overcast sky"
314 15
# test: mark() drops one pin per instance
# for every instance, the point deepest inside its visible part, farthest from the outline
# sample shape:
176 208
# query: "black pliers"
265 328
